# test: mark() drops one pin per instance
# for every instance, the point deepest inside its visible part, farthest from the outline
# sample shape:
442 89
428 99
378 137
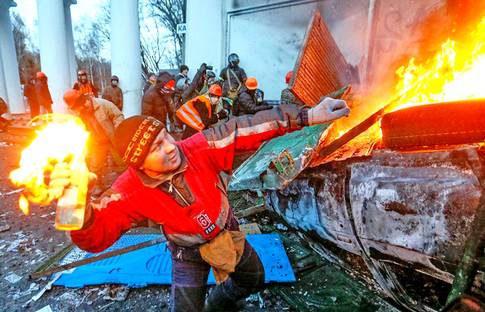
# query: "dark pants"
189 280
34 109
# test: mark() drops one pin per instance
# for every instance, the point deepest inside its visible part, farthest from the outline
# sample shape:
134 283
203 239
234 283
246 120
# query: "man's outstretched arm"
248 132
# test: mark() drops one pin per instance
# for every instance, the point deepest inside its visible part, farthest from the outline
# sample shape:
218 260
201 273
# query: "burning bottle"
71 205
58 153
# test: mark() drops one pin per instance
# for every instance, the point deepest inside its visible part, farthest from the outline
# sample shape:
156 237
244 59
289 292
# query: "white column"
54 49
71 54
10 65
125 53
206 15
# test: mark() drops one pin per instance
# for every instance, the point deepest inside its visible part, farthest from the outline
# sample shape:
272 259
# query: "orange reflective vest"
190 115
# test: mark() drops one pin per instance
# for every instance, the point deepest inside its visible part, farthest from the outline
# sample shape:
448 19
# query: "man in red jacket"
178 185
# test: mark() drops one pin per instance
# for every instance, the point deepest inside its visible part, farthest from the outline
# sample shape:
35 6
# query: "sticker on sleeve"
205 222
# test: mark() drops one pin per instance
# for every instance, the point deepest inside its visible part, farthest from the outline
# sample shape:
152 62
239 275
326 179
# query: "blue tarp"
153 265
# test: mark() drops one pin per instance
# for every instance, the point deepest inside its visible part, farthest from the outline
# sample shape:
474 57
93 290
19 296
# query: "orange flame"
456 72
62 139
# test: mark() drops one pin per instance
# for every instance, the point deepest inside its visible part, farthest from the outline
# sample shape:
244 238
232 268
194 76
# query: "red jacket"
204 209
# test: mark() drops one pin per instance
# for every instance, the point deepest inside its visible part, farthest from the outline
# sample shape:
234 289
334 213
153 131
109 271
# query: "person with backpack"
234 77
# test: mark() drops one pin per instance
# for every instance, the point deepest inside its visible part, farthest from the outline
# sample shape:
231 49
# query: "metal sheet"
410 209
321 68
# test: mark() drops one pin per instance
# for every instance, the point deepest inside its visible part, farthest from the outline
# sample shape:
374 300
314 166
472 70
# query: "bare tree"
170 13
153 50
28 59
104 22
157 49
89 43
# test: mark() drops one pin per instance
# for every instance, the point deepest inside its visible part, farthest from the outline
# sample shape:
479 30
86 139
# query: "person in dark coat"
29 93
287 97
42 92
157 99
113 93
195 87
234 77
250 99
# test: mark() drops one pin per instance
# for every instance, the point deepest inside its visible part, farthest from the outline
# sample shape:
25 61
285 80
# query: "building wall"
268 34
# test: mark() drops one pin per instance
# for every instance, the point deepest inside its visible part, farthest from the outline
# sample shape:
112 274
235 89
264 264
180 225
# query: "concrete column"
71 54
11 76
206 15
125 53
54 49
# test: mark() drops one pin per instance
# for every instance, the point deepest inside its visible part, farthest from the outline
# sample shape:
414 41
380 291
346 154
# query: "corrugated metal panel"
321 68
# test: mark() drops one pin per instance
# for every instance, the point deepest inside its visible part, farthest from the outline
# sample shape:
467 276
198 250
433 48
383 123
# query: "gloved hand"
60 179
327 110
222 114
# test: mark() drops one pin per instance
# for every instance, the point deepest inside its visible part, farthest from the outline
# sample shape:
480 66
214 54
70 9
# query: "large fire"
61 141
456 72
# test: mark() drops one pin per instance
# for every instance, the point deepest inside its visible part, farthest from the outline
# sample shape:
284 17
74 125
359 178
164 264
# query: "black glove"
222 114
213 119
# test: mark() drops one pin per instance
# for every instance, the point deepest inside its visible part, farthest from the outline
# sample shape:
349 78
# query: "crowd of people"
192 105
181 185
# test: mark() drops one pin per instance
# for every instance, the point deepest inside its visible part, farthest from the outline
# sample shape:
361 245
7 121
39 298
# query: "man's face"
163 157
114 82
152 79
214 99
82 78
86 107
185 72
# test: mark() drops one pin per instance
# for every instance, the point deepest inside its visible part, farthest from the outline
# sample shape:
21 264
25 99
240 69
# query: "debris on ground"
13 278
115 292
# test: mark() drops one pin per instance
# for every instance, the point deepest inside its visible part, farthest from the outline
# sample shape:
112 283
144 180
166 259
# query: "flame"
24 204
456 72
62 140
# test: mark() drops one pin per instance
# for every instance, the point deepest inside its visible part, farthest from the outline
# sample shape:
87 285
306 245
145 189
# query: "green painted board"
277 162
